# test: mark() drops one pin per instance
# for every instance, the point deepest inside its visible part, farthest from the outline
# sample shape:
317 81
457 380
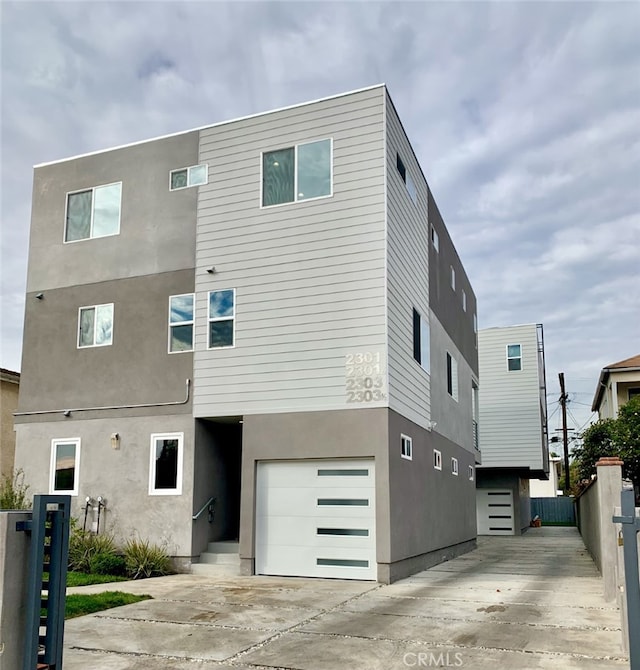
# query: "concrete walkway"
514 603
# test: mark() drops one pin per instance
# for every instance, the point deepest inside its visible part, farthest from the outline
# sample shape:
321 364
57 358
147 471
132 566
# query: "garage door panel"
316 518
495 513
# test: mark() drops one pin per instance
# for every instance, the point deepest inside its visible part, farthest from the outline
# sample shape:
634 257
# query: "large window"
181 323
65 464
452 376
297 173
189 176
222 311
94 212
421 341
165 471
514 357
95 326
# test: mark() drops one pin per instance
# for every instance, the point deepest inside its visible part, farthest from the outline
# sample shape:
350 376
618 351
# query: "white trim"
437 459
464 301
95 308
84 190
181 323
214 125
471 473
295 200
406 452
435 238
453 278
221 318
152 464
52 465
188 169
454 466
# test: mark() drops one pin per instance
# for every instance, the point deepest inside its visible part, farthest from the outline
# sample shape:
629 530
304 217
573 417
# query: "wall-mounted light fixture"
39 296
67 413
115 440
211 270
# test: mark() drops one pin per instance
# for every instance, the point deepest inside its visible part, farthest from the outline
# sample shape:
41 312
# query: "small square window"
95 326
514 357
195 175
471 473
65 463
165 469
454 466
453 278
464 301
181 323
221 318
406 448
437 459
406 178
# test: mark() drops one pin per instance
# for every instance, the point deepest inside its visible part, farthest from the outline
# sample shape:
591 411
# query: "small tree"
13 492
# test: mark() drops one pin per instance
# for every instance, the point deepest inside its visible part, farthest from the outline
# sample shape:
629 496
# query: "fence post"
630 527
609 471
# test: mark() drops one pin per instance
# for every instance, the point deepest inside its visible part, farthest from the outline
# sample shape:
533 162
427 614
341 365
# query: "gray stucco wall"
136 368
120 476
157 226
430 509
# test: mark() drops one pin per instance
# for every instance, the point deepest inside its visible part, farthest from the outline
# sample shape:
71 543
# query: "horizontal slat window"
343 473
353 502
358 532
342 562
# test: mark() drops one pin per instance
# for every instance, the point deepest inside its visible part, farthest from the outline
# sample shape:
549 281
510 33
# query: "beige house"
9 384
618 383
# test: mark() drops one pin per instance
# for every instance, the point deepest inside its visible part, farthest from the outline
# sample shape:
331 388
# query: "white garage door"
316 519
495 511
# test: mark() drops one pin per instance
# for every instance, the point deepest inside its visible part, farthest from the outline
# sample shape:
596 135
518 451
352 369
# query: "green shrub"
13 492
85 545
143 559
106 563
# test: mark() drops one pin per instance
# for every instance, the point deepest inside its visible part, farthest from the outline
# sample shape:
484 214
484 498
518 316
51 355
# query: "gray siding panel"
408 276
510 421
309 276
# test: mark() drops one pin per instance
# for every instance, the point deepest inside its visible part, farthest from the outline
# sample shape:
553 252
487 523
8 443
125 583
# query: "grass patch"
79 604
84 579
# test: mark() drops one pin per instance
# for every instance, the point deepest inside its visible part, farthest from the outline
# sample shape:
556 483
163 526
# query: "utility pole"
565 438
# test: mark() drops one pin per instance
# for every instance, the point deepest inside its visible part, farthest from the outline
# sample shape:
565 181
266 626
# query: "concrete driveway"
514 603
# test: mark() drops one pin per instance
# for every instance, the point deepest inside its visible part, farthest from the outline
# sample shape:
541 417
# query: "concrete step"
219 559
215 570
225 547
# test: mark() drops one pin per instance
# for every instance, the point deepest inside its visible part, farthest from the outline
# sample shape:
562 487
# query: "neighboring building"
9 384
269 312
548 488
513 426
618 383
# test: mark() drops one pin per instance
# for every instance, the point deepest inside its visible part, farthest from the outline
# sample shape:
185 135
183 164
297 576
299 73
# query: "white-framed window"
181 323
452 376
196 175
471 475
454 466
406 447
514 357
475 323
222 312
435 239
165 464
437 459
65 466
297 173
453 278
93 212
95 326
421 341
464 301
406 178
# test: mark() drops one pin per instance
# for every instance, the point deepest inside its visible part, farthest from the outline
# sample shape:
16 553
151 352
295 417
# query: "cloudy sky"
524 116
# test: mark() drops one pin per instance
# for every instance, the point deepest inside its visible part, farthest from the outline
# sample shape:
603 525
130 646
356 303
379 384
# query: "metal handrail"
209 503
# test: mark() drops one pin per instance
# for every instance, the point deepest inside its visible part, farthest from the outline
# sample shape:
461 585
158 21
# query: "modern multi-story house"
9 384
513 426
618 383
268 312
